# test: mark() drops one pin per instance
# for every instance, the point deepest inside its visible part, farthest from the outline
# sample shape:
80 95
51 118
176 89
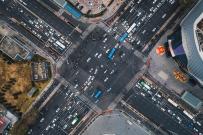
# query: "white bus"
74 121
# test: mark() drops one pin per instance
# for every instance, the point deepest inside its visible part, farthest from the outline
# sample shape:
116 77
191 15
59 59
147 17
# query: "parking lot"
149 100
61 114
101 68
141 19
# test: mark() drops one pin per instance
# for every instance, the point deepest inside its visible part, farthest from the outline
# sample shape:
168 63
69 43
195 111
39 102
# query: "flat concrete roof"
4 121
13 49
115 123
191 100
60 2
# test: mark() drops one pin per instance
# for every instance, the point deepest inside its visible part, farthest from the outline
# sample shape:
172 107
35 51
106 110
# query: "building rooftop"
3 123
40 71
191 100
13 48
115 124
60 2
199 33
190 41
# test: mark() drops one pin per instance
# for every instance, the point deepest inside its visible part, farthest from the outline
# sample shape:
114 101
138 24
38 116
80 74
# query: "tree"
186 3
22 126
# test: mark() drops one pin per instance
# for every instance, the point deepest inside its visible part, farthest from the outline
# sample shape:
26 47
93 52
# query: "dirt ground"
16 94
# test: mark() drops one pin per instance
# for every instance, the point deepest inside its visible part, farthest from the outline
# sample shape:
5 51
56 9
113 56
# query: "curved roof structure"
191 41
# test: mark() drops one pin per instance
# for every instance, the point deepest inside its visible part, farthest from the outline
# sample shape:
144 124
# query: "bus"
123 37
74 121
60 44
131 27
172 102
110 55
98 94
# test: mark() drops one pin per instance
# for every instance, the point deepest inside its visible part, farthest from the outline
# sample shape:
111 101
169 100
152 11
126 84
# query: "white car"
163 16
112 71
54 120
104 41
108 90
154 29
58 109
86 87
88 60
69 107
143 32
143 18
100 55
76 86
139 14
155 9
109 30
70 116
107 50
172 1
93 77
67 93
91 70
75 114
47 128
142 94
65 126
96 55
96 71
154 1
139 1
42 119
150 15
151 9
53 125
106 79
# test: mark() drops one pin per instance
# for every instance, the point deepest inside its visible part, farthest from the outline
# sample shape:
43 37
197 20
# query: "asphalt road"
49 17
58 114
67 17
90 60
89 69
38 31
148 17
9 11
51 5
152 104
46 94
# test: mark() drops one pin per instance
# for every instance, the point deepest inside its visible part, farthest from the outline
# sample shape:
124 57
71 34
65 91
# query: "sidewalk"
161 68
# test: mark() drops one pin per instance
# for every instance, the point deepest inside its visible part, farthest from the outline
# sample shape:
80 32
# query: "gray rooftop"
115 124
195 63
191 100
60 2
13 48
